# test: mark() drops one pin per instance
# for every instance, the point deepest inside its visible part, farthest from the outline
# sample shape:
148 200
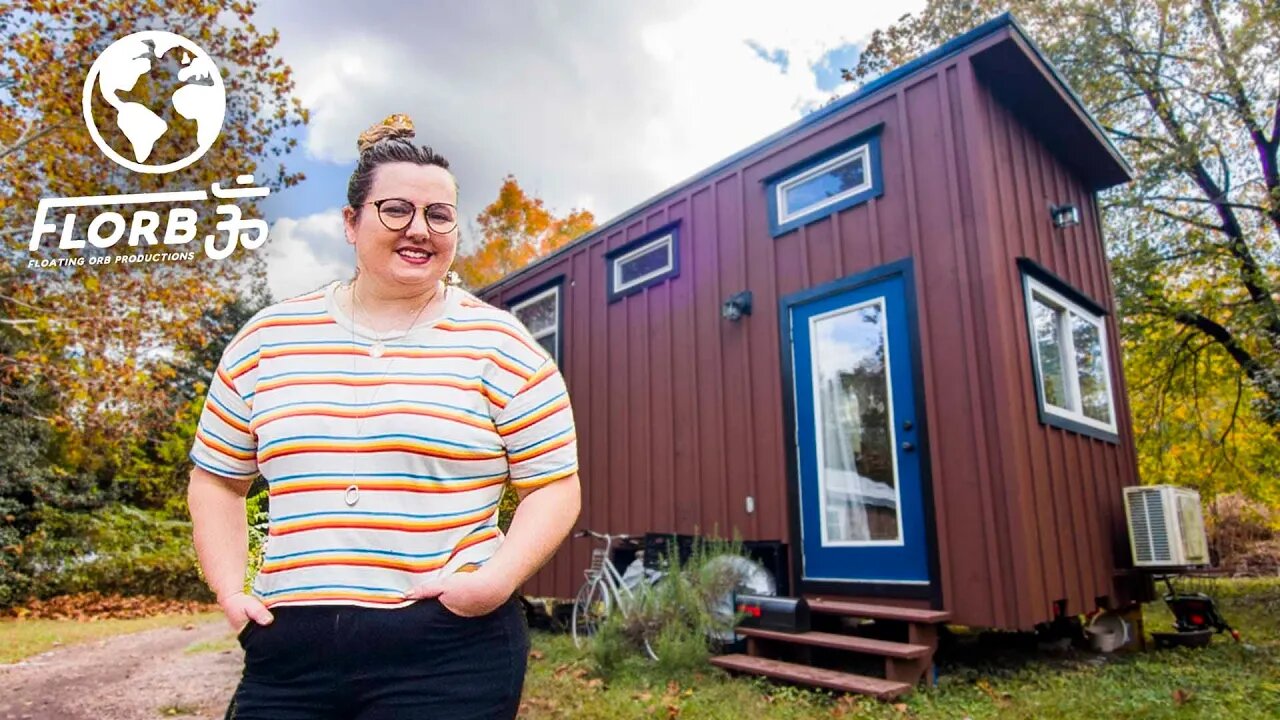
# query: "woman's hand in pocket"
240 609
468 594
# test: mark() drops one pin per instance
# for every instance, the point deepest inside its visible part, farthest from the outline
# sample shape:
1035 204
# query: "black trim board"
672 228
556 281
1030 268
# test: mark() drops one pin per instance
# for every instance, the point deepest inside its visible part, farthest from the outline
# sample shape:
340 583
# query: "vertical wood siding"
679 411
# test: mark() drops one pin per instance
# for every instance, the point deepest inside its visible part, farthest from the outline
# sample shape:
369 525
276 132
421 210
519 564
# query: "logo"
149 85
165 101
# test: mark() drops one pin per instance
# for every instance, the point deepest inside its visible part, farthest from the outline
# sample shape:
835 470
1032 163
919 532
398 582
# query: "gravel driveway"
142 676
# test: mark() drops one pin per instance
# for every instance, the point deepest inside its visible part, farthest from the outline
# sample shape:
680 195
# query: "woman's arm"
541 522
221 536
543 519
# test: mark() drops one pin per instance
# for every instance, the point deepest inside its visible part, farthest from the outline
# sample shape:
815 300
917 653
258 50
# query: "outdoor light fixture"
1064 215
737 306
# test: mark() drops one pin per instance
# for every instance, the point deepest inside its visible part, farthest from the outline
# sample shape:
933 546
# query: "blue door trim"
931 591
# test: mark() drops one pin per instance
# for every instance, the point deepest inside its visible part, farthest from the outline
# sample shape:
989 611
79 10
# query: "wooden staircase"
851 637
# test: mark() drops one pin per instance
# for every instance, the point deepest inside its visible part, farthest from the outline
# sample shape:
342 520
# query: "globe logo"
160 98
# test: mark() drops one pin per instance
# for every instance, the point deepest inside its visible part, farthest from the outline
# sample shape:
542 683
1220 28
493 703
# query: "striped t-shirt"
429 433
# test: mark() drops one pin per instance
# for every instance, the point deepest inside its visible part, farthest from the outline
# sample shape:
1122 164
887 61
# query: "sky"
591 105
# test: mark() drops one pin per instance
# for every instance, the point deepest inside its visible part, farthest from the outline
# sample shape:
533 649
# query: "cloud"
306 253
778 57
591 105
611 101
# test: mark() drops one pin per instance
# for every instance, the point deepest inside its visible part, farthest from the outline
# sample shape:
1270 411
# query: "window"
1069 351
840 177
540 313
643 262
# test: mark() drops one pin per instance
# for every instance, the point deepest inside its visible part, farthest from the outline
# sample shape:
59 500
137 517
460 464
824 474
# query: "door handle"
907 446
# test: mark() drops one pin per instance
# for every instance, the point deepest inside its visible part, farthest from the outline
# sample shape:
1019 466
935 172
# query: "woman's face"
394 258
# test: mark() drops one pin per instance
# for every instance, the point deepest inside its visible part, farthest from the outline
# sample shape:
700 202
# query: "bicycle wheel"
648 649
589 609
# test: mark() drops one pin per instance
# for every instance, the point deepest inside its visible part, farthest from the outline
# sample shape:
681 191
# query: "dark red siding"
679 411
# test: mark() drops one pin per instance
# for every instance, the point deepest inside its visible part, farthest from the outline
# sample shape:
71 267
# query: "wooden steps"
877 612
904 642
820 677
852 643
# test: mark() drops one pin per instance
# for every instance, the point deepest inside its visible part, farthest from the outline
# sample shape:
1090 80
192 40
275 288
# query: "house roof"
1017 72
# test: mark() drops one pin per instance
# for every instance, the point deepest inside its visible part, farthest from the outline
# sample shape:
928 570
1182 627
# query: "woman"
386 414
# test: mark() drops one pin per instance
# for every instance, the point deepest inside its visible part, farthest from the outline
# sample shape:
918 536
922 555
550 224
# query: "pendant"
352 496
377 348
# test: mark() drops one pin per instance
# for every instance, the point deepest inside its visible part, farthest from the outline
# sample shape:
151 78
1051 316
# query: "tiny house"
884 335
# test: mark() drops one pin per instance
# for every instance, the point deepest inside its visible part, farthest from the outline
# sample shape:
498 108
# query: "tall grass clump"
685 615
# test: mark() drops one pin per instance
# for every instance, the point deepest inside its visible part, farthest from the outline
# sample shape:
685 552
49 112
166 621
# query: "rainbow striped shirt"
430 432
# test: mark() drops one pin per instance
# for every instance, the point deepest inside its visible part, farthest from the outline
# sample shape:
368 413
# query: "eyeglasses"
397 213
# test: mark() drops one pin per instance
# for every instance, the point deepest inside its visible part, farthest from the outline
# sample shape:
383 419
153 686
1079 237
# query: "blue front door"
861 508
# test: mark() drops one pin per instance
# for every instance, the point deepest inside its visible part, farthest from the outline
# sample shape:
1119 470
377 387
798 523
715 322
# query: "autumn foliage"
516 229
1189 92
100 364
96 606
96 336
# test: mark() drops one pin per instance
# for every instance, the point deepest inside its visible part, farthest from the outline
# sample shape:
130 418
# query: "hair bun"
393 127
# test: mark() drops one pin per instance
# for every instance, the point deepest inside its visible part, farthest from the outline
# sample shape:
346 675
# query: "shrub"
677 614
15 583
117 549
507 506
257 509
1241 533
611 648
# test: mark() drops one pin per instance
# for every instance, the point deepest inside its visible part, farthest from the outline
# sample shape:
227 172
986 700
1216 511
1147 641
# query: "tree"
515 230
102 339
101 366
1189 90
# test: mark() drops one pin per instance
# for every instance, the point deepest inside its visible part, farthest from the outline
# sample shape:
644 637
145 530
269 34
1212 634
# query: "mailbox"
769 612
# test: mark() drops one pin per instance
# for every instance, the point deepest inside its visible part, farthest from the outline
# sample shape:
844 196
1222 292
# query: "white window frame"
515 309
1037 291
814 368
786 214
616 276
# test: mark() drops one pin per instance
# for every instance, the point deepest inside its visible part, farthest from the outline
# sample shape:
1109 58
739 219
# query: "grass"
1225 680
21 639
222 644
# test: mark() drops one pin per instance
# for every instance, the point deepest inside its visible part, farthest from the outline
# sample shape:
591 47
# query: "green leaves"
1189 91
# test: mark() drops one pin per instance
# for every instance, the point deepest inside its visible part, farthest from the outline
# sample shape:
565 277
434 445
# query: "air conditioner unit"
1166 526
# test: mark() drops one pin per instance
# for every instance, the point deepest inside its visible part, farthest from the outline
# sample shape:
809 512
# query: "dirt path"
142 676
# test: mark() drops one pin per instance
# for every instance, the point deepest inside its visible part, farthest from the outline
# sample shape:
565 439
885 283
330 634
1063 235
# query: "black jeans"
342 662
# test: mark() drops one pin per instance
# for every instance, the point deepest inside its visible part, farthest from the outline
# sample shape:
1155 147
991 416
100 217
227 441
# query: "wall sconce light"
1064 215
737 306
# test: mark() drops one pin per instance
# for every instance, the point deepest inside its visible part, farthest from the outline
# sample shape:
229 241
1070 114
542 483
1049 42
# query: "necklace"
352 494
377 348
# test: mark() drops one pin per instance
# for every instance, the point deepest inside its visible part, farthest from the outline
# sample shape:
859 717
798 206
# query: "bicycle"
605 588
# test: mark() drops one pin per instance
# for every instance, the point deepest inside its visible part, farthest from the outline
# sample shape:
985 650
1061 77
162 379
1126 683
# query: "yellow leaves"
516 229
1195 420
1001 699
99 344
